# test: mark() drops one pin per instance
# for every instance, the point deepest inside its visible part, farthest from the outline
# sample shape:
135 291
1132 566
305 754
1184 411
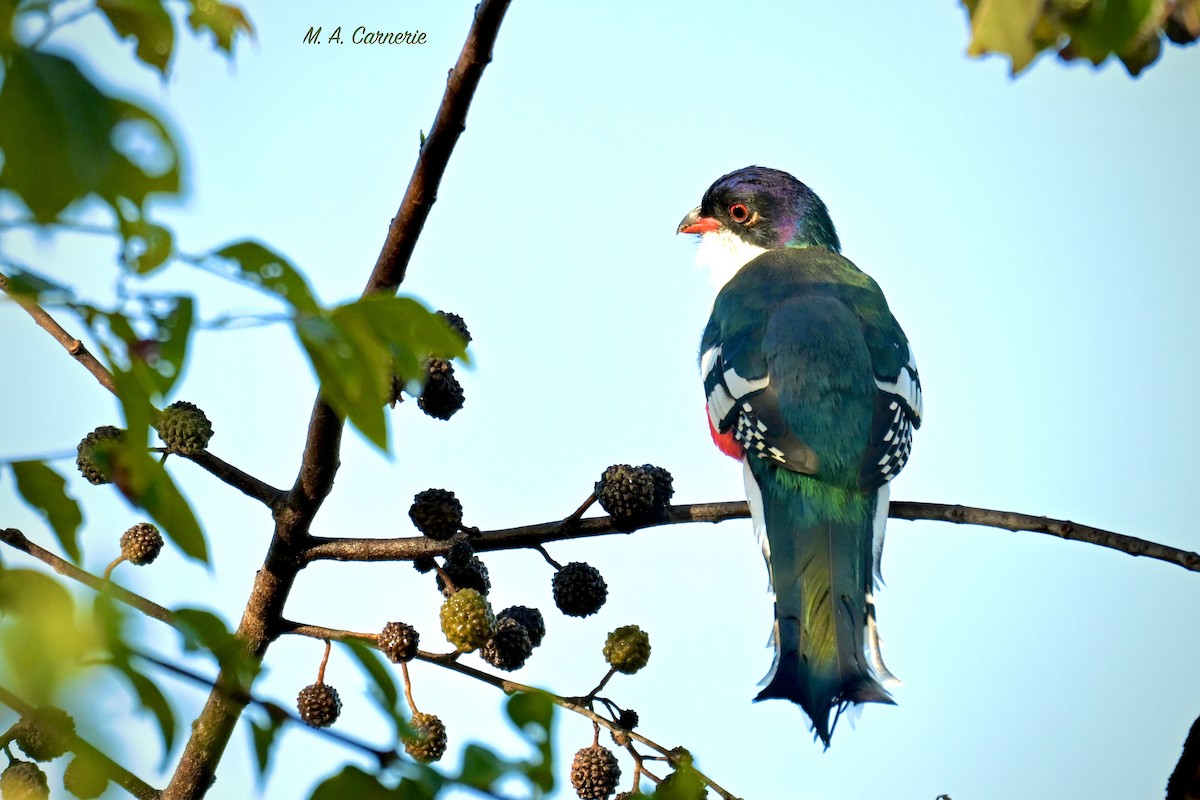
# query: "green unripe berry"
467 620
627 649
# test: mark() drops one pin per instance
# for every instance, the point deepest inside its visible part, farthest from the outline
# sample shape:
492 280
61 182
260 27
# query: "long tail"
820 544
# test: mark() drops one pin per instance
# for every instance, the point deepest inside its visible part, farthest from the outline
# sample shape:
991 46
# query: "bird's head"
753 210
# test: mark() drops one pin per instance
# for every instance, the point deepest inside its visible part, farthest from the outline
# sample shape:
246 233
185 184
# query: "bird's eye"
739 212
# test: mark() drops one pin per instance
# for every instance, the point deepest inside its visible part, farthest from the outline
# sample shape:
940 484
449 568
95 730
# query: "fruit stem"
571 520
412 706
603 682
108 570
546 556
324 661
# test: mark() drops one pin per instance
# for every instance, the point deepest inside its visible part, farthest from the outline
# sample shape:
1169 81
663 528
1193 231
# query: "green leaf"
147 244
223 19
482 768
205 632
410 331
23 283
60 136
42 643
264 735
148 22
353 374
146 484
682 784
148 157
173 324
533 715
1111 27
153 700
45 490
357 347
260 266
55 135
353 782
1004 26
112 619
421 782
384 691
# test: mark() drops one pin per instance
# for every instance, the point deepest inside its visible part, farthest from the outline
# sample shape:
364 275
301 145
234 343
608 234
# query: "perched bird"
812 385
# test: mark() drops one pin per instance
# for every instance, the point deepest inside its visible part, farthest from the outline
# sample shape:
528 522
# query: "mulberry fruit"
184 428
84 778
429 742
442 396
664 488
529 618
141 544
437 513
102 438
627 494
45 734
23 780
594 773
398 642
627 649
456 324
467 620
579 589
510 646
319 705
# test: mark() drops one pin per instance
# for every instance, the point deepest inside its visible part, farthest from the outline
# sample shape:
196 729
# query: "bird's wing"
898 408
742 401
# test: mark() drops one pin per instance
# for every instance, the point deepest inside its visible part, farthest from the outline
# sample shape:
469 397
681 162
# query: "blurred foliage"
43 640
1093 30
482 770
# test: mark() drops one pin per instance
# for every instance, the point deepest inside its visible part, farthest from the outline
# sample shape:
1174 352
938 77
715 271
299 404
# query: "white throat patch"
723 253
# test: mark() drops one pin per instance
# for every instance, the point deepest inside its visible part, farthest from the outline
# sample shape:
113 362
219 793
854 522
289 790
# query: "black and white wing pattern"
748 408
898 408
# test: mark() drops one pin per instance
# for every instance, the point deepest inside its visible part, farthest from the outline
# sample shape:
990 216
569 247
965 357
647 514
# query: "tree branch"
435 151
72 345
244 482
1064 529
314 480
408 548
533 536
15 539
114 771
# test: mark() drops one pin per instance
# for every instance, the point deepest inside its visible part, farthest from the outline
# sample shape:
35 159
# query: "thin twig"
15 539
113 565
244 482
546 556
578 513
449 124
412 705
73 346
1064 529
274 709
324 661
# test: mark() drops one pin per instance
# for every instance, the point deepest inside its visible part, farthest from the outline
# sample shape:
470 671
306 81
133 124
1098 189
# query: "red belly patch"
725 442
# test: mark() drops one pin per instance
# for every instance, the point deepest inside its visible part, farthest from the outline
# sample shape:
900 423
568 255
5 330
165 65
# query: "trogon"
812 385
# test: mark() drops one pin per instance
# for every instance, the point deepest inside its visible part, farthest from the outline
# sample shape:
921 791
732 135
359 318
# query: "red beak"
694 223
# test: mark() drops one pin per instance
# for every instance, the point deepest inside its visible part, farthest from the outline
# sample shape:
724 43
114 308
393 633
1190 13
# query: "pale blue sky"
1036 238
